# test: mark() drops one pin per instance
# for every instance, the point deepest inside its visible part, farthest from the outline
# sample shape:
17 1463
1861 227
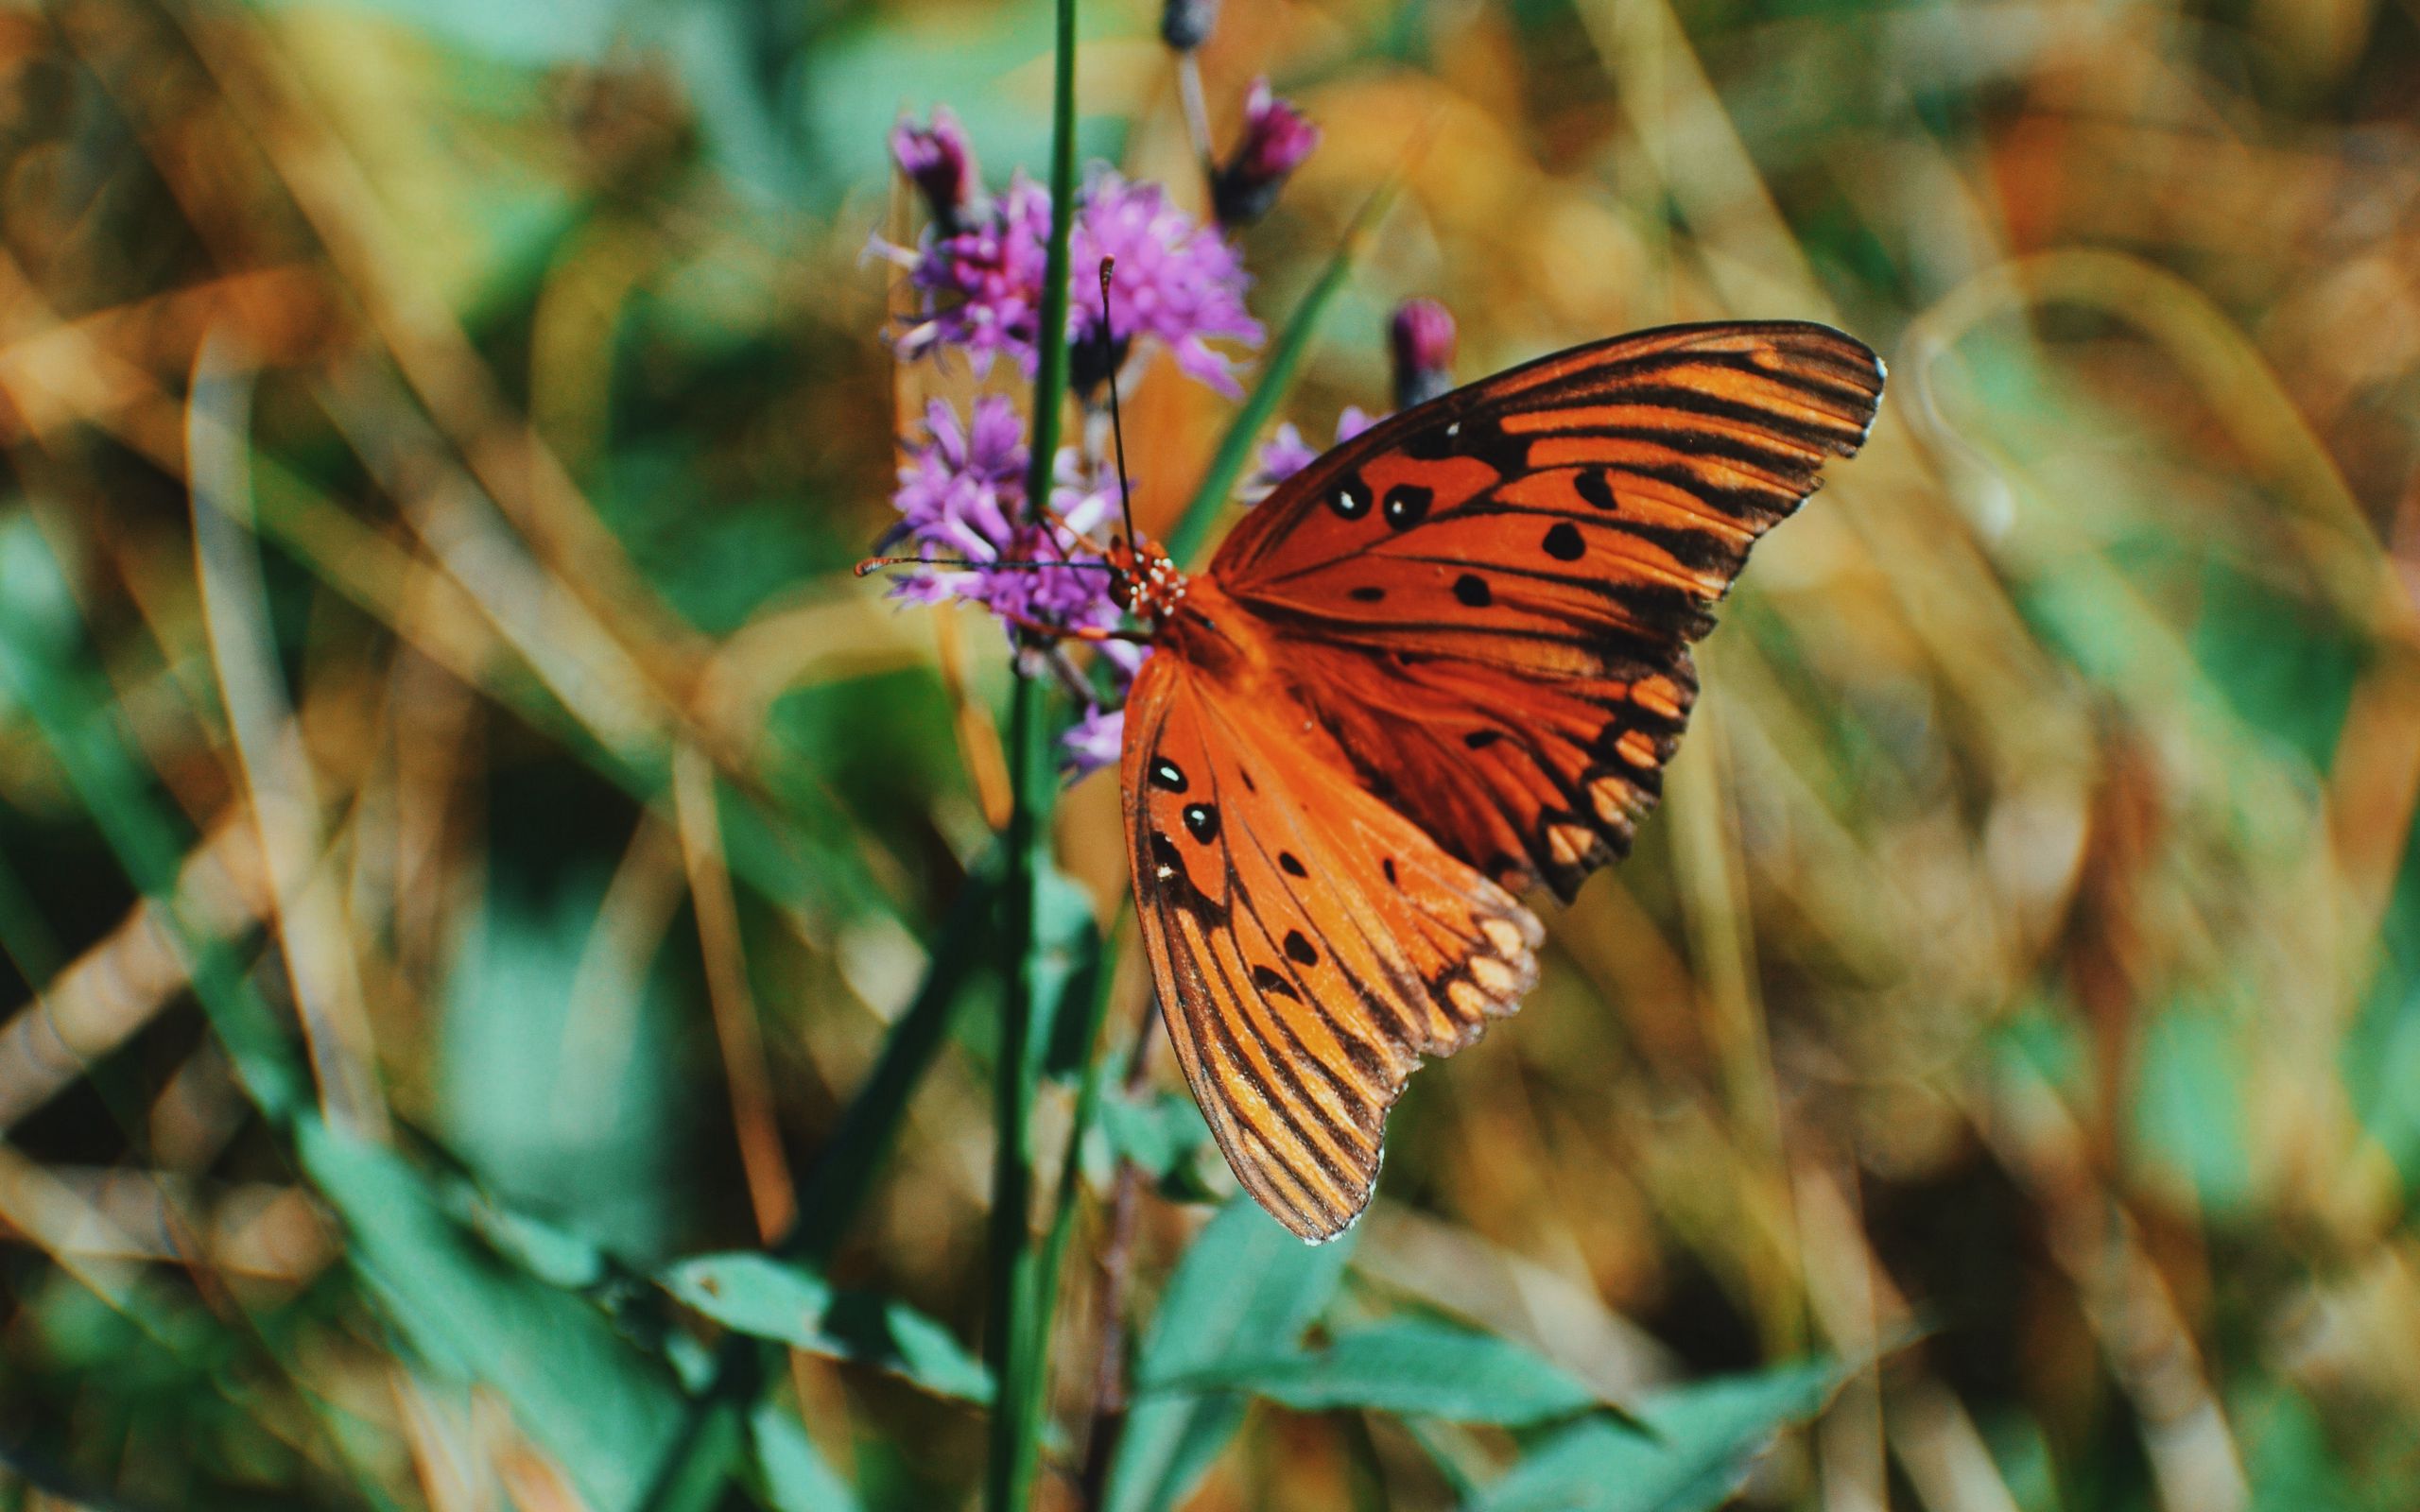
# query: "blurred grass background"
466 843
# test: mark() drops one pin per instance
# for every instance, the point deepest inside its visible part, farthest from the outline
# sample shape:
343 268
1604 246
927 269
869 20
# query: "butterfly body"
1445 662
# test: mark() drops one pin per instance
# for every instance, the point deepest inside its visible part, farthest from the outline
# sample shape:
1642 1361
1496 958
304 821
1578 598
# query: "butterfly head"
1144 579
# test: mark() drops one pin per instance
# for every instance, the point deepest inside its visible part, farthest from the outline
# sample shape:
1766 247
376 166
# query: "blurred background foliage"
474 868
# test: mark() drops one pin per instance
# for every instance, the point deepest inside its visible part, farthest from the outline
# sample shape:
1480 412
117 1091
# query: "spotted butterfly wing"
1488 600
1310 943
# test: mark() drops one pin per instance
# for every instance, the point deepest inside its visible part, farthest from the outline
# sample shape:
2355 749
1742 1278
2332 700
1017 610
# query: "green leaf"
1414 1368
1065 971
1698 1447
1159 1132
1244 1283
605 1412
768 1298
796 1476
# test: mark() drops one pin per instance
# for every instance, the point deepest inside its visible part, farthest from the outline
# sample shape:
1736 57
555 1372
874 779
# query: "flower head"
1176 281
982 286
1092 742
1276 139
1421 339
941 164
962 498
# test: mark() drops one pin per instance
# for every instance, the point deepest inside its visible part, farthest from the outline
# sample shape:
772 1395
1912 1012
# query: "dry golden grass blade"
282 788
771 1192
1562 1319
1722 950
450 1477
258 1231
608 987
2144 1337
514 467
582 663
131 973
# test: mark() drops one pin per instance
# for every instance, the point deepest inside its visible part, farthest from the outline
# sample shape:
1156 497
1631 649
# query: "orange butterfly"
1444 661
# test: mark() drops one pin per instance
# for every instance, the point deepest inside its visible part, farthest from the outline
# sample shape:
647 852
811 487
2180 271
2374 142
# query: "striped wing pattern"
1488 600
1310 943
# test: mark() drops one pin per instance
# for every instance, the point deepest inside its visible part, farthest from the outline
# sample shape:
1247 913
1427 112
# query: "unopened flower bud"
1422 337
1276 140
1184 25
941 164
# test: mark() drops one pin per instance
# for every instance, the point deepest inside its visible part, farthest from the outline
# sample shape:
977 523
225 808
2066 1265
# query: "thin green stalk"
1013 1339
1235 449
1063 1217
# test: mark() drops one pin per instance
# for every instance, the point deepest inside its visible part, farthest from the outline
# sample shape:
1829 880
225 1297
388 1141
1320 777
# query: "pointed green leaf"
1412 1368
768 1298
1699 1443
1159 1132
796 1476
604 1410
1244 1283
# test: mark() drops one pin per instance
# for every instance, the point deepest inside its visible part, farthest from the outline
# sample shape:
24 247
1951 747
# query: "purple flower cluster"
1176 283
980 269
962 498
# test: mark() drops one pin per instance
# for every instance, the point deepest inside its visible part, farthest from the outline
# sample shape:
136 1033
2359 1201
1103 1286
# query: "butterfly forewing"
1310 943
1488 600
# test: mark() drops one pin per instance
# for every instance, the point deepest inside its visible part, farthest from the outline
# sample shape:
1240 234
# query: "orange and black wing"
1309 943
1488 599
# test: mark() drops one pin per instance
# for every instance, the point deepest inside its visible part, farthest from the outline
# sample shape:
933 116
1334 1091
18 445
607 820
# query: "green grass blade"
76 717
1227 464
1014 1343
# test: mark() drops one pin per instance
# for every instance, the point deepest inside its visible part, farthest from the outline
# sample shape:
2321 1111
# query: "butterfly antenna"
871 565
1116 424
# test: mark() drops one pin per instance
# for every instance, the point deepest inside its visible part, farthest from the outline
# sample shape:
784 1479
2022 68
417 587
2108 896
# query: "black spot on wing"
1406 504
1273 982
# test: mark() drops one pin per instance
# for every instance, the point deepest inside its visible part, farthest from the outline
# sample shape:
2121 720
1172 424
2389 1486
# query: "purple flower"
961 497
1422 338
1177 282
1276 139
982 286
1285 453
1092 742
941 164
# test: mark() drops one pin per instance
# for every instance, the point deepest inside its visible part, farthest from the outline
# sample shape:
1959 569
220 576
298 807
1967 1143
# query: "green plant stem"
1014 1333
1013 1341
1226 468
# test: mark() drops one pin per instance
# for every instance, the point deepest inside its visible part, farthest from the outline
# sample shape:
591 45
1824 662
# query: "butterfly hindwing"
1309 944
1488 599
